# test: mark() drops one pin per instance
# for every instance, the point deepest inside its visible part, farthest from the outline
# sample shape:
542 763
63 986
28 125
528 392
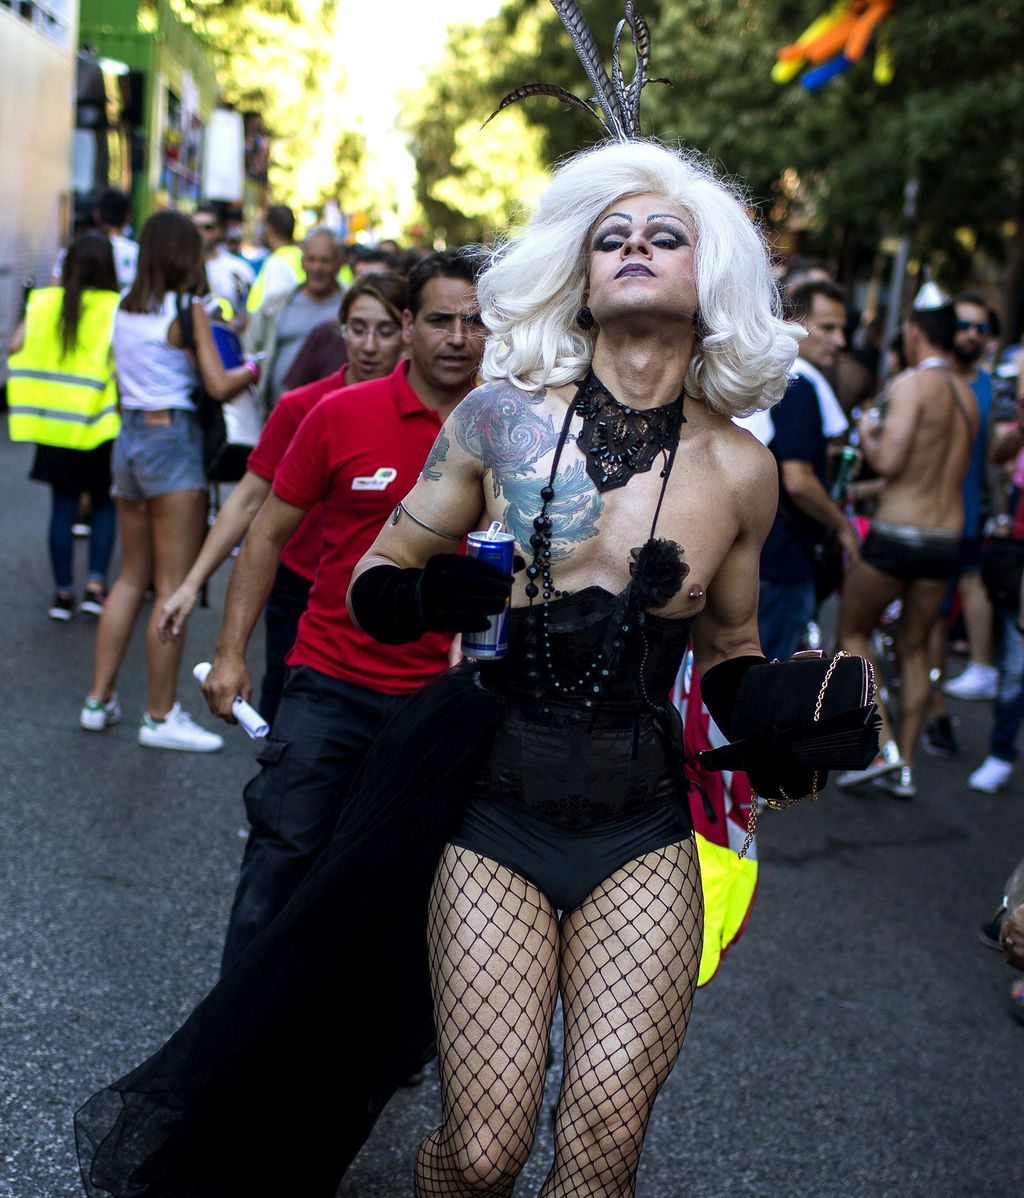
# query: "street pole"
894 312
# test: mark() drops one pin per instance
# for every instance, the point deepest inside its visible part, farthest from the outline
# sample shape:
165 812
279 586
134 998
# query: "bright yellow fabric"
292 254
69 401
728 883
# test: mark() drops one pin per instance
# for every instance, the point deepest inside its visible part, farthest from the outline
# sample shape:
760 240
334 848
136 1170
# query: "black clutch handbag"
793 721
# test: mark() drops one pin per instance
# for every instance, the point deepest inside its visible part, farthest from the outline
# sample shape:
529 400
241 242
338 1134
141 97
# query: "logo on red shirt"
378 481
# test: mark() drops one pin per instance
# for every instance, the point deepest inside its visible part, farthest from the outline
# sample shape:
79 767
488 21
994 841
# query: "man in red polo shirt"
358 453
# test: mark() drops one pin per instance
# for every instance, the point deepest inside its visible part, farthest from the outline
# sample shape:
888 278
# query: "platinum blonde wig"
535 283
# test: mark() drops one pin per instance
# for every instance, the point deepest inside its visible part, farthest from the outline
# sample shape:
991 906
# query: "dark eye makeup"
665 237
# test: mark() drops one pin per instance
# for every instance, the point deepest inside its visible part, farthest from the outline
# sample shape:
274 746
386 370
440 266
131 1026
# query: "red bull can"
497 548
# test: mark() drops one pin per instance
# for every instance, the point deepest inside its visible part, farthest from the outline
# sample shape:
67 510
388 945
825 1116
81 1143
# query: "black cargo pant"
285 604
322 732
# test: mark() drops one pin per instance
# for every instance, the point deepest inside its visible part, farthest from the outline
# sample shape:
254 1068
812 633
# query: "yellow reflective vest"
292 256
69 401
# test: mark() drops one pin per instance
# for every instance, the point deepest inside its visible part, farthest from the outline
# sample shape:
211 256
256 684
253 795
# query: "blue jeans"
1009 706
63 515
323 731
150 460
784 610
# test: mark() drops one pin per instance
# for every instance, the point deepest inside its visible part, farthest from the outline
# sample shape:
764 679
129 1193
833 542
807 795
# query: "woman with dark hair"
371 323
159 481
62 395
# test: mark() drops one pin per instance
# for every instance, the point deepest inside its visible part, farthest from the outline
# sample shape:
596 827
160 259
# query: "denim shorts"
156 459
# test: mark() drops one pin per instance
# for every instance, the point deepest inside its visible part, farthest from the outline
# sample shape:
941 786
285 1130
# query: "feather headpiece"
615 103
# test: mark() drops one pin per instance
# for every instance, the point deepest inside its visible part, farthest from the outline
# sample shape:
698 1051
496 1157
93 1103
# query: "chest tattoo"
507 430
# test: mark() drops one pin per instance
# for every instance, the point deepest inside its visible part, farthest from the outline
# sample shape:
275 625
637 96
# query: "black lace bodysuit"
570 794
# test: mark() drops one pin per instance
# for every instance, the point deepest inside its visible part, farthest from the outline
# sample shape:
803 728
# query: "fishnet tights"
626 962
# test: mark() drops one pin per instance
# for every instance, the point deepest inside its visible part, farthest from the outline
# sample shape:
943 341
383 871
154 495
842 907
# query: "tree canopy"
831 163
276 58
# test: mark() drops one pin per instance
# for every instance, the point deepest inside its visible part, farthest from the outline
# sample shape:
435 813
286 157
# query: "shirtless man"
921 450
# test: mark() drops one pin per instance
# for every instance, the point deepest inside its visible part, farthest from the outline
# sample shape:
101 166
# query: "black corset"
578 626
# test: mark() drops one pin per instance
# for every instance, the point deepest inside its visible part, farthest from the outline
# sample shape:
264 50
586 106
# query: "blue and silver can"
497 548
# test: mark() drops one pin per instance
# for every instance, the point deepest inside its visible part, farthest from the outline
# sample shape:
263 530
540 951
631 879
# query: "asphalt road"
855 1044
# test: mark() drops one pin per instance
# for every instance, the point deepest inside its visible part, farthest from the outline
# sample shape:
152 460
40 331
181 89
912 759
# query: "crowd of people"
896 500
898 469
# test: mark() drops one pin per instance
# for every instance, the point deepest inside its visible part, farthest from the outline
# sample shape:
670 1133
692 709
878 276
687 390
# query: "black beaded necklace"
618 442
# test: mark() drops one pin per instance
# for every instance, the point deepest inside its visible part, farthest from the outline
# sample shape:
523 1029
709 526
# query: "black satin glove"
459 594
790 722
451 593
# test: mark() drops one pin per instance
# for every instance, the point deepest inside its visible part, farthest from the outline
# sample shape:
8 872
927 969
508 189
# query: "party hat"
930 298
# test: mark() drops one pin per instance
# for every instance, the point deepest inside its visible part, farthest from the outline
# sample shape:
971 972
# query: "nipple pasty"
657 570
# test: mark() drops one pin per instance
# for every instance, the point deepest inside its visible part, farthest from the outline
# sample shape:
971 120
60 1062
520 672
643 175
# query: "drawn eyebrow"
653 216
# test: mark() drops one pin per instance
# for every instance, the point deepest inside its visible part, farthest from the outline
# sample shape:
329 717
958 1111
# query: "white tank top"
150 373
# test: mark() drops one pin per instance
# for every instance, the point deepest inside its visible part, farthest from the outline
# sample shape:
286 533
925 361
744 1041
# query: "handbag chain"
786 800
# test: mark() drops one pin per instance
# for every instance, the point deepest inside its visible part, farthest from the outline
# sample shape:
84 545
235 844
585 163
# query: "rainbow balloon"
833 42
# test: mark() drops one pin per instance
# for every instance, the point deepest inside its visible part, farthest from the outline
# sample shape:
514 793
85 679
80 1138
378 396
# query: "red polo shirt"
302 551
358 453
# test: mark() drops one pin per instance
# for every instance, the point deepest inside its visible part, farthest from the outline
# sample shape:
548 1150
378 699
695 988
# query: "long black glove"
721 684
450 594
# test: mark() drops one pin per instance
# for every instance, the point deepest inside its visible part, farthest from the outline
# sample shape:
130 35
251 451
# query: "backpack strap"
184 306
959 403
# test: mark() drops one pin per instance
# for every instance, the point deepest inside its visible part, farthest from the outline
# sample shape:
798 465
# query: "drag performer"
572 866
521 829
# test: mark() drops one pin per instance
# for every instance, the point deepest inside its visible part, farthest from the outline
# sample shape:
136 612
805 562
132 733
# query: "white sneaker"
900 783
887 760
178 731
992 776
96 715
976 682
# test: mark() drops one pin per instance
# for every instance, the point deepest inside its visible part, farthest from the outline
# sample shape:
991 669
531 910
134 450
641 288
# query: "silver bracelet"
396 515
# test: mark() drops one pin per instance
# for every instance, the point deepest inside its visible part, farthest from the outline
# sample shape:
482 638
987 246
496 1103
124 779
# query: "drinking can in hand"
497 548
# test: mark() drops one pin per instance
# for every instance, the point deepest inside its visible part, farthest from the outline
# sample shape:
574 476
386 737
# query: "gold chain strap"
786 801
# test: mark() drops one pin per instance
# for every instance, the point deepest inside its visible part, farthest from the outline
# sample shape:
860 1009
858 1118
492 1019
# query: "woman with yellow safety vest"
62 396
159 481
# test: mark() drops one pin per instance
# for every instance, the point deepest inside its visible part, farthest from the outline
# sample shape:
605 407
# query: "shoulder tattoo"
504 428
438 453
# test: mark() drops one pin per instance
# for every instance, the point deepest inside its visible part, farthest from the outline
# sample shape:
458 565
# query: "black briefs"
565 864
908 553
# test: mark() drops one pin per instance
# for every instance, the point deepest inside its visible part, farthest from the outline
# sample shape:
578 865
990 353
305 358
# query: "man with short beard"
229 276
797 431
978 680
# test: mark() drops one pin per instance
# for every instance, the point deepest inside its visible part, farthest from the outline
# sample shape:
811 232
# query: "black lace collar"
618 441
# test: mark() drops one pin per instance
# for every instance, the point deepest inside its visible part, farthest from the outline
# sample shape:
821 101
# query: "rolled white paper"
247 715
